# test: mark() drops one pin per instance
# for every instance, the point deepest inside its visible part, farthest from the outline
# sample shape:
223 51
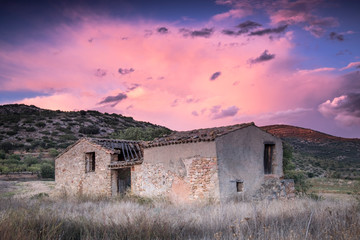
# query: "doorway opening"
123 180
268 158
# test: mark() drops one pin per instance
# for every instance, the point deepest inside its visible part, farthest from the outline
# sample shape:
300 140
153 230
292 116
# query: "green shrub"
92 129
138 133
11 133
2 154
40 124
30 129
53 152
47 171
30 160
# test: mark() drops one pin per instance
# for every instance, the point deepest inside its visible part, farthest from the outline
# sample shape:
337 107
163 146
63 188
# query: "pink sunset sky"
191 73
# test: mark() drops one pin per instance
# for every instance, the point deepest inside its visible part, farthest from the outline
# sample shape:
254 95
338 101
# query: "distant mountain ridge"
288 131
320 154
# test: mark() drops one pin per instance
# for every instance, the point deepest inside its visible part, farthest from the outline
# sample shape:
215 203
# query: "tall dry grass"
129 219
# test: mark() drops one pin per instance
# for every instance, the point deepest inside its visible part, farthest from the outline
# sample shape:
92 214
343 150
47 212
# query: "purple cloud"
205 32
124 71
114 99
100 72
279 29
162 30
218 113
215 76
265 56
336 36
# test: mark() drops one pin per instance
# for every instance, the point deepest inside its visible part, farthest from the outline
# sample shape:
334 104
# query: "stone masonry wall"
273 188
70 175
195 178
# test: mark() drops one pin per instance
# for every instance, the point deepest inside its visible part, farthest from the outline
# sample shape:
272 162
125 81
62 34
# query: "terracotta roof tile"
197 135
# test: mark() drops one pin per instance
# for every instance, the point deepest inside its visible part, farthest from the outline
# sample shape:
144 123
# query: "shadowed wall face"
241 156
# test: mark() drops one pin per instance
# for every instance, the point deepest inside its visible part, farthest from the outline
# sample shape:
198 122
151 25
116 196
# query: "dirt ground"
25 189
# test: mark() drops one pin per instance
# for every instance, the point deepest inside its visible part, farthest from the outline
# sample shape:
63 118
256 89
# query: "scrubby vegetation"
290 171
14 163
31 129
136 133
44 218
38 135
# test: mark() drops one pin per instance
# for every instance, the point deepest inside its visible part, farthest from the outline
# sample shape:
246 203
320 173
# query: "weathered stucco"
240 158
181 172
70 175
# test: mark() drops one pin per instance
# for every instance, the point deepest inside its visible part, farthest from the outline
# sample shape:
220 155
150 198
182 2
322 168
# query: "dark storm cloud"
351 105
100 72
248 25
230 32
245 27
344 107
350 82
124 71
215 76
265 56
204 32
162 30
114 99
336 36
217 112
279 29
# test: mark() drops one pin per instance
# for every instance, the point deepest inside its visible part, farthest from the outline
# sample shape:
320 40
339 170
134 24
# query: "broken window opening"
239 186
268 158
121 156
90 162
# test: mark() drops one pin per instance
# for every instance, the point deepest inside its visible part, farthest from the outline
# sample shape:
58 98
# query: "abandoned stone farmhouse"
233 162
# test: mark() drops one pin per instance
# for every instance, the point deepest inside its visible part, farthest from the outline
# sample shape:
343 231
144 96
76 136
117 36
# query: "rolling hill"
30 130
320 154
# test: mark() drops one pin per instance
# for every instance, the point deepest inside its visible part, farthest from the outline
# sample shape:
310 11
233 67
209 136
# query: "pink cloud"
170 72
351 65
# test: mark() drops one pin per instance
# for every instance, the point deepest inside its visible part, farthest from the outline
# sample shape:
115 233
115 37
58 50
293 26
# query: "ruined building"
233 162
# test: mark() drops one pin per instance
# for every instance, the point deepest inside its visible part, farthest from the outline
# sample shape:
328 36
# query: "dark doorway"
124 180
268 158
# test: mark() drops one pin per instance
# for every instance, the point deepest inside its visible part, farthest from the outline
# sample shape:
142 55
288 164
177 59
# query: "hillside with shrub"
31 137
319 154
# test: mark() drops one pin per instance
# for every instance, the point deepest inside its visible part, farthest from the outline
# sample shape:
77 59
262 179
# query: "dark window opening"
239 186
90 162
124 180
268 158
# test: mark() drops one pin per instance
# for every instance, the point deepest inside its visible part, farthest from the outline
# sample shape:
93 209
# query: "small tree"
53 152
47 171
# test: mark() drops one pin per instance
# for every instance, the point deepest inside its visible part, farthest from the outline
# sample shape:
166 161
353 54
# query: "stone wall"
70 175
273 188
194 178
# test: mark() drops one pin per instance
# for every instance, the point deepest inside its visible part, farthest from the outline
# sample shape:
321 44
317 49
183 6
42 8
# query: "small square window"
239 186
90 162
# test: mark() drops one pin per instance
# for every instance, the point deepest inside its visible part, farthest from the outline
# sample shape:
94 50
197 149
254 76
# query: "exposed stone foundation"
275 189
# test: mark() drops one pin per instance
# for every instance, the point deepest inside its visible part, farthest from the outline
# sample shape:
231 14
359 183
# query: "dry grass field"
29 213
